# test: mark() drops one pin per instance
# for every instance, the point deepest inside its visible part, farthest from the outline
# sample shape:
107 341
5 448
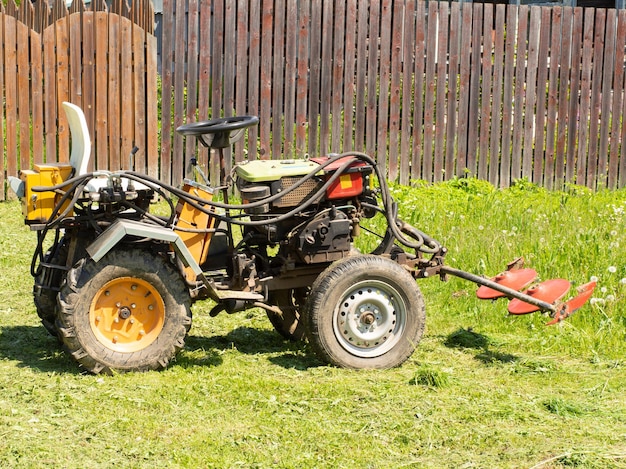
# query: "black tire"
48 283
365 312
128 312
289 323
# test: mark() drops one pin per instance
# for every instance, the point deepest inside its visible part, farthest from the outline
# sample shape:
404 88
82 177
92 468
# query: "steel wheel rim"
127 314
370 319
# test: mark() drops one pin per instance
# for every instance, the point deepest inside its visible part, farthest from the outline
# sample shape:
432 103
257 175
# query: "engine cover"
325 238
259 179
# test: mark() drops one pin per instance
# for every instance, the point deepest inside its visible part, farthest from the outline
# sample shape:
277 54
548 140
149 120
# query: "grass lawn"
483 390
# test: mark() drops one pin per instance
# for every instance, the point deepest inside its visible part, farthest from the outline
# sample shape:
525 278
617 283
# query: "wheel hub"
370 318
127 314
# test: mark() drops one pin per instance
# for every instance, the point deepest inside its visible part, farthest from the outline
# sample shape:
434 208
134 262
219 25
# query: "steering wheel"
219 133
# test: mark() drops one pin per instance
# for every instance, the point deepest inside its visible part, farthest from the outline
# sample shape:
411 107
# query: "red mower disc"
548 291
515 279
570 307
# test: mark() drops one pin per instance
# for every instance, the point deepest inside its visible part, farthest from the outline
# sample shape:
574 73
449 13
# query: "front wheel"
128 312
365 312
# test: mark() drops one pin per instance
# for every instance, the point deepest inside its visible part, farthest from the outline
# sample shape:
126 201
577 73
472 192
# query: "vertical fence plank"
539 154
191 80
291 73
573 105
395 89
585 97
266 79
430 81
498 77
407 92
101 46
486 105
139 108
152 149
361 75
608 62
372 80
178 159
325 79
167 58
474 89
11 97
564 83
384 74
464 91
37 97
441 93
518 103
507 98
115 100
594 161
616 105
418 107
241 95
127 124
555 57
277 85
340 50
530 116
23 93
349 77
302 79
88 77
315 50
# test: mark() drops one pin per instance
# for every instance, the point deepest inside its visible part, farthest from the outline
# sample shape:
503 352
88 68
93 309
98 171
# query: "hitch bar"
508 292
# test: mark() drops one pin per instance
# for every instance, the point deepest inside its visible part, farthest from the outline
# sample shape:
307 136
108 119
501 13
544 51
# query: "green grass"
483 389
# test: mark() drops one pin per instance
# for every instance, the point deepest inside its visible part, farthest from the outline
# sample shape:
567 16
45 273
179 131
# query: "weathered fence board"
432 90
102 62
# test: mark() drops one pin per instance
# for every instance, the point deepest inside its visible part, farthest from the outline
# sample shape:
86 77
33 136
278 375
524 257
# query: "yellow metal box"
37 207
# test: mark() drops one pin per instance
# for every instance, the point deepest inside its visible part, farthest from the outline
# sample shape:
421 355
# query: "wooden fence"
103 61
433 90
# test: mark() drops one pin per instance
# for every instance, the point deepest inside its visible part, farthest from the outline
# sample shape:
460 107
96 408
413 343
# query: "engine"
307 213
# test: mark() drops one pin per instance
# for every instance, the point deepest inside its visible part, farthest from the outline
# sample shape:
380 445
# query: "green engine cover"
273 170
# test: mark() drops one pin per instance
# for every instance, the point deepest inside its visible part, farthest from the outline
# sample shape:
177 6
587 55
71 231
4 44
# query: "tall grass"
482 390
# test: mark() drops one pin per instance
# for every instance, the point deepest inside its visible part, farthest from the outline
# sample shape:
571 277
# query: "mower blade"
516 279
549 291
570 307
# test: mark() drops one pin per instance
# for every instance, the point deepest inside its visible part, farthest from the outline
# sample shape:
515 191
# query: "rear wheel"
288 323
365 312
129 312
51 272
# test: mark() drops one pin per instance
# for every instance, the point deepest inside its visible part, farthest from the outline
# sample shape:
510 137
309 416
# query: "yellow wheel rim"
127 314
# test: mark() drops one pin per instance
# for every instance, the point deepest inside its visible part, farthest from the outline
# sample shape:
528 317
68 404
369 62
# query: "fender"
121 228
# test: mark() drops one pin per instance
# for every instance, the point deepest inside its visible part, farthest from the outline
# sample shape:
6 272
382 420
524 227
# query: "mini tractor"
115 283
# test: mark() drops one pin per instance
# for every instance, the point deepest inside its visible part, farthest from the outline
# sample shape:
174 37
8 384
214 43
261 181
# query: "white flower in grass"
594 278
612 269
610 298
623 281
603 290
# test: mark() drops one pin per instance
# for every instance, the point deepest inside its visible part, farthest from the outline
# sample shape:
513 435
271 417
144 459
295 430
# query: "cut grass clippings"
483 390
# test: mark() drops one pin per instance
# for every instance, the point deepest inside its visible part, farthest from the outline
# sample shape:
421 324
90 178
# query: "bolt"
115 339
133 305
107 293
124 313
142 332
133 287
98 318
150 307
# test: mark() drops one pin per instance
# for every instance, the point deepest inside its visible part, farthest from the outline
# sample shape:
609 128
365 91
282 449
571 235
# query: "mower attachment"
545 296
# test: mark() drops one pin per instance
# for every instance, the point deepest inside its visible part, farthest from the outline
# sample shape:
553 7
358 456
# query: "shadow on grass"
32 347
468 339
250 341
